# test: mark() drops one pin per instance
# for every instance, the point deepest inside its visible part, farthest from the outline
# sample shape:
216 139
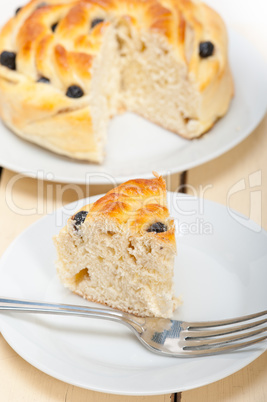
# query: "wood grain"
237 179
19 381
23 201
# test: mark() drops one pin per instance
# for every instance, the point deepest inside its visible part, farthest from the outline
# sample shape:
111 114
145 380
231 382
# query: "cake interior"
105 263
140 72
155 84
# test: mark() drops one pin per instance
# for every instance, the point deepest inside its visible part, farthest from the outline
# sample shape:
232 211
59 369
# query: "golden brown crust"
67 56
169 18
137 203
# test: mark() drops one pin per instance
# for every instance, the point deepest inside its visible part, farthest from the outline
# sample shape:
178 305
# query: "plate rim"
95 177
4 325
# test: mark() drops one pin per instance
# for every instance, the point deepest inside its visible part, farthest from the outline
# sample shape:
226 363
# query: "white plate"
136 147
221 271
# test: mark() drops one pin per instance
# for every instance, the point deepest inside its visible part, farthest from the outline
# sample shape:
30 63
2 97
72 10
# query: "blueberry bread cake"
68 66
120 250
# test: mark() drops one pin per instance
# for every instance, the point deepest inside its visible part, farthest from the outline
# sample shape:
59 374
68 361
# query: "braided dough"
136 55
120 250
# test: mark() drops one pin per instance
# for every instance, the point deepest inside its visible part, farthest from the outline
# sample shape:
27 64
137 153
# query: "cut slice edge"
120 250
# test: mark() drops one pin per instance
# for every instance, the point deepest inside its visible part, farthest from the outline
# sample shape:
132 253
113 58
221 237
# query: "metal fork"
164 336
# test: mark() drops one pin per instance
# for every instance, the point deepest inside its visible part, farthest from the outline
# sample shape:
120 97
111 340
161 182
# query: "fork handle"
27 306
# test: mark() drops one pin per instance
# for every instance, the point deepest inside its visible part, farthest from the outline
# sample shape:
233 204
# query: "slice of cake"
120 250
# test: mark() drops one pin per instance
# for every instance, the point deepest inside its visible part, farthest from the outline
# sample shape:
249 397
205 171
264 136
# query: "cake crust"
120 250
53 40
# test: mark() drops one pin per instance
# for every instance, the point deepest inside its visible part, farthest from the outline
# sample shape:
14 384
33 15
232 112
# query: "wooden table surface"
24 200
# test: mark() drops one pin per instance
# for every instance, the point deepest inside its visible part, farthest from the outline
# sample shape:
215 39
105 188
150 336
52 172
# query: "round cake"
67 67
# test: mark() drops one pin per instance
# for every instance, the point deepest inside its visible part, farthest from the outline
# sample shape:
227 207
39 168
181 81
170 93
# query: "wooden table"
24 200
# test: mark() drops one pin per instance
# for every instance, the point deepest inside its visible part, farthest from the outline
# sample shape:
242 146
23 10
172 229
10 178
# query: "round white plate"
220 271
137 147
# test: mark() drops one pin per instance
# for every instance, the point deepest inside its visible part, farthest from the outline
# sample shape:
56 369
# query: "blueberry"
96 21
79 218
8 59
44 80
74 92
18 10
157 227
54 27
206 49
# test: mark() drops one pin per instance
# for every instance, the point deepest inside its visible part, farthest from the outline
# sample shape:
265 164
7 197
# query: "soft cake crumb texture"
112 261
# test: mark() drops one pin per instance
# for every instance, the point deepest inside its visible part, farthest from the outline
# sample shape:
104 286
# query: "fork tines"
213 337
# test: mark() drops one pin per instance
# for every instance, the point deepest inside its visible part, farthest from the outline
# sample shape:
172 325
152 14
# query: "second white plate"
220 271
136 147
